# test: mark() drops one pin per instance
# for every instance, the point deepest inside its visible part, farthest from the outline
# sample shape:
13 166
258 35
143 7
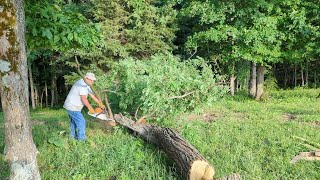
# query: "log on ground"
189 162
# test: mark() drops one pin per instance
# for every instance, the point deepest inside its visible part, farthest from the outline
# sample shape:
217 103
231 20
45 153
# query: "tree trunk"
238 85
307 76
36 96
285 77
315 79
41 99
33 104
20 150
260 80
232 84
253 80
295 75
302 76
189 162
53 88
46 92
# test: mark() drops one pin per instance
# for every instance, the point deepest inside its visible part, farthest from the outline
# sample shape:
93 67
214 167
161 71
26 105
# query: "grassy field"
237 135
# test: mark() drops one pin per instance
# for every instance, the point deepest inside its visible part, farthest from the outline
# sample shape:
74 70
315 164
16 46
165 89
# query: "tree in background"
131 28
20 150
54 29
300 47
232 32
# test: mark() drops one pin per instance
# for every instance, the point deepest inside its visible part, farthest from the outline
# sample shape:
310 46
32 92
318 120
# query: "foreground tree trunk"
190 163
253 80
20 150
260 80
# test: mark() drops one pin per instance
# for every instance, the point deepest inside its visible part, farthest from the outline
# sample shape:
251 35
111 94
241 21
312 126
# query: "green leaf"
70 36
34 32
56 38
57 141
47 33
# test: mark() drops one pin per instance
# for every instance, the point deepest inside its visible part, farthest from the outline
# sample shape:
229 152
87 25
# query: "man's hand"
91 110
101 105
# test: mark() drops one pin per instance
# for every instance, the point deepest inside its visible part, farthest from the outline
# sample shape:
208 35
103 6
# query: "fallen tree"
189 162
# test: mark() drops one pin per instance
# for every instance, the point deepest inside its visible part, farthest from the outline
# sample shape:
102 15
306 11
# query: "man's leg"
72 126
80 124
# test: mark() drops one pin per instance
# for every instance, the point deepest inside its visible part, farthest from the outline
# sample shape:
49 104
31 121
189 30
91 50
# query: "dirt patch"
207 117
316 124
289 117
105 126
37 122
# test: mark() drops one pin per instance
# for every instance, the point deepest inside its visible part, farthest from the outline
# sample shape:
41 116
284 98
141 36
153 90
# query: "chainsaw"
101 114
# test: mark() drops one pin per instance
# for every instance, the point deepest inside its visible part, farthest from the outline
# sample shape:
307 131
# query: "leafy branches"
58 27
163 84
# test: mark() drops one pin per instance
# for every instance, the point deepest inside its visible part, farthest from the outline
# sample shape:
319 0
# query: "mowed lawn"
237 135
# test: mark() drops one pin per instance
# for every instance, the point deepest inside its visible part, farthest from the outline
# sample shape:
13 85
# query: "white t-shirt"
73 101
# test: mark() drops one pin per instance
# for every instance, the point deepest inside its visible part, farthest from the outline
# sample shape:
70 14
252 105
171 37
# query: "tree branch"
182 96
107 90
143 118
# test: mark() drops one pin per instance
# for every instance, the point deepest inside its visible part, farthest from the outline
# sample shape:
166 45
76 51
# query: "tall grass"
237 135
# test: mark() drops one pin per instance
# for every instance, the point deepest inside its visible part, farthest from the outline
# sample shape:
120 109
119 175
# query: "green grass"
237 135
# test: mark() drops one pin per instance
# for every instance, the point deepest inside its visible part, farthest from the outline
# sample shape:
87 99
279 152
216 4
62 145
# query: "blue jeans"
77 125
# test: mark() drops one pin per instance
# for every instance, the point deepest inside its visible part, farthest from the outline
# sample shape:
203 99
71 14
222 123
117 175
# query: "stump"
189 162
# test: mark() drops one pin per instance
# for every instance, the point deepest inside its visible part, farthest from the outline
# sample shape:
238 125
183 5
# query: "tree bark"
307 76
232 84
189 162
20 150
46 92
285 77
302 76
53 88
253 80
41 99
260 81
36 96
33 104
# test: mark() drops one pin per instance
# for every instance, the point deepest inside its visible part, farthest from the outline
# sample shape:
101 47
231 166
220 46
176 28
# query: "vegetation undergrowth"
237 135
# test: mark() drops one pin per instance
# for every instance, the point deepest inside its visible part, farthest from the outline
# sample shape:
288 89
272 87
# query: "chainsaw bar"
101 116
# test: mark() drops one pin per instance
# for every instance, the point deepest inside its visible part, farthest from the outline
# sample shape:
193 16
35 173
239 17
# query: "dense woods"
250 45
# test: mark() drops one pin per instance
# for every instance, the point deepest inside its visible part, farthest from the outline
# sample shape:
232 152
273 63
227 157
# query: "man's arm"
97 101
87 104
95 98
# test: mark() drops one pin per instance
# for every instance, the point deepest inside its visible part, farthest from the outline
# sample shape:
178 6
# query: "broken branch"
182 96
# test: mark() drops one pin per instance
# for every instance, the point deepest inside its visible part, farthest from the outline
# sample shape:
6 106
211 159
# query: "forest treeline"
248 45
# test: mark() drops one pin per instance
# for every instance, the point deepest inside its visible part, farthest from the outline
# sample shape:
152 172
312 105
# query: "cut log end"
141 121
112 123
201 170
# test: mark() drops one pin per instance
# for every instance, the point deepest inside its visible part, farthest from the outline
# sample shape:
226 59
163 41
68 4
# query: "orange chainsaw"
101 114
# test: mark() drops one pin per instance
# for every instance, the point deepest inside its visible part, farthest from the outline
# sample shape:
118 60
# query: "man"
74 103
